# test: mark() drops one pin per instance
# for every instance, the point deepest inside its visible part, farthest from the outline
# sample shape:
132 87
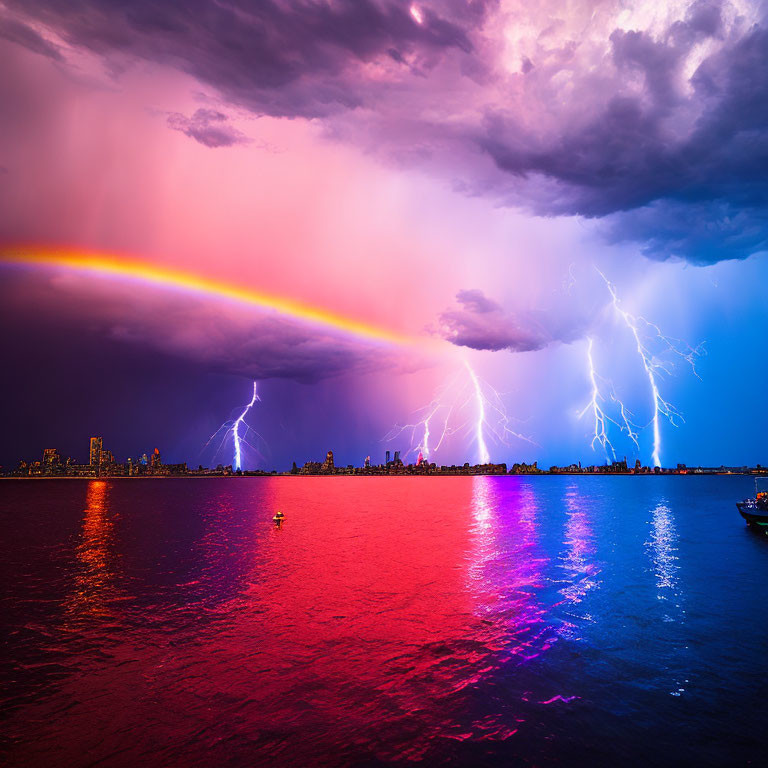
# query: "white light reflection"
662 546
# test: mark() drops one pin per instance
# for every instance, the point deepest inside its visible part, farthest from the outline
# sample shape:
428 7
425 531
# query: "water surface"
389 621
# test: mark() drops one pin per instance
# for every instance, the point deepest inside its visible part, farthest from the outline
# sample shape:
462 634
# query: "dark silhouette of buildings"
101 463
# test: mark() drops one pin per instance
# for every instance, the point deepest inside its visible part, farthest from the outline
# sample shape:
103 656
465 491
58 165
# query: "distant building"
97 443
328 463
397 458
51 456
155 461
525 469
420 459
367 462
387 459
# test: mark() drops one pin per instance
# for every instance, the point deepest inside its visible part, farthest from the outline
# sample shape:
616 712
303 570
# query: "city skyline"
102 463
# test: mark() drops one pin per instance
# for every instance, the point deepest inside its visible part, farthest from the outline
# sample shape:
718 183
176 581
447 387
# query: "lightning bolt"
233 427
595 405
653 366
420 431
601 418
236 427
465 403
482 449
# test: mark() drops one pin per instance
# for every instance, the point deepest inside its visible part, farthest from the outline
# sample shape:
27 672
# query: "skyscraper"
97 444
387 460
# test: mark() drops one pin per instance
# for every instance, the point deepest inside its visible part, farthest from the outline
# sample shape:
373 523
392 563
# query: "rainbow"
126 267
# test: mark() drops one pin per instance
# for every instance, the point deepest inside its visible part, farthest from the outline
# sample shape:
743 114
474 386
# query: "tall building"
387 461
97 444
367 462
155 460
397 458
328 463
51 456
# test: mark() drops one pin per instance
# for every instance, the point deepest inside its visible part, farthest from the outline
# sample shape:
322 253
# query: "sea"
388 621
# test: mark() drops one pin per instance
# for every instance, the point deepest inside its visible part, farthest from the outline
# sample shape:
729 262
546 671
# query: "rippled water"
460 621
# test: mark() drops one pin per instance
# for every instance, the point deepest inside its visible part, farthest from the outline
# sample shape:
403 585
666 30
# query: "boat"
279 517
755 511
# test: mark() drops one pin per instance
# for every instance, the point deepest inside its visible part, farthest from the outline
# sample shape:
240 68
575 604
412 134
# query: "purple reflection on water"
578 563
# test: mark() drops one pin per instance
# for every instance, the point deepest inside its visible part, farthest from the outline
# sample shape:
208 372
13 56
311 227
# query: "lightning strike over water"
236 427
233 427
601 434
482 449
601 418
464 404
441 408
653 366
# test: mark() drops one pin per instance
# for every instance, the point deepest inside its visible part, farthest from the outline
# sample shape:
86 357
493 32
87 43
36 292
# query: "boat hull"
754 515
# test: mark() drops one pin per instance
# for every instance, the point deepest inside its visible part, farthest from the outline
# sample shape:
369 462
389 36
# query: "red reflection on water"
369 623
374 606
95 578
353 605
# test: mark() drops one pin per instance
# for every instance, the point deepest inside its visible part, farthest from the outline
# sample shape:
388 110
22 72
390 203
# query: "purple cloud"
22 34
208 127
476 301
481 323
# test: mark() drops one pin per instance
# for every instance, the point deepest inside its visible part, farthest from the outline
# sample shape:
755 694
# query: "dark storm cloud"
208 127
702 197
279 58
664 132
17 32
481 323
